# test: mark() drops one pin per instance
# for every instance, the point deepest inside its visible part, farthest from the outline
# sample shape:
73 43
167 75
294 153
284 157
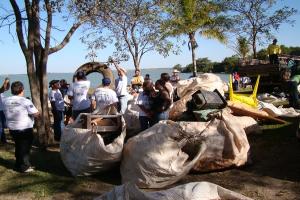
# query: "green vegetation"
187 17
231 63
257 19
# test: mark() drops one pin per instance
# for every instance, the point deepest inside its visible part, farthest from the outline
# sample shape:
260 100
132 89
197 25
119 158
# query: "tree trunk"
254 46
136 63
39 94
193 47
35 95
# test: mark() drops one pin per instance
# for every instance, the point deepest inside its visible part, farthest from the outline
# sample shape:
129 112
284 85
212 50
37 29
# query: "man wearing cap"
78 94
274 50
105 99
57 105
121 88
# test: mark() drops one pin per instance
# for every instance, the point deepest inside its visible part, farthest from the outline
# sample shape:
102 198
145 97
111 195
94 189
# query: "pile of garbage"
204 133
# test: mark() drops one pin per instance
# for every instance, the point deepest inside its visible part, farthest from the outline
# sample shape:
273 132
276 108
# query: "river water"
95 78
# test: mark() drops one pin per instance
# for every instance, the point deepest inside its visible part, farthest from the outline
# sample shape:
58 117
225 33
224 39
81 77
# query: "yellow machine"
250 100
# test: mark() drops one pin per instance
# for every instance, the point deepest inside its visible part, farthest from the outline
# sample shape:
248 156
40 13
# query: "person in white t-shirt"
78 94
5 87
121 88
20 113
105 99
57 108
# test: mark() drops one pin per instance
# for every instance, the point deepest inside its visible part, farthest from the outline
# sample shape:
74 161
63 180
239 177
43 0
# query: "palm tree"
186 17
243 47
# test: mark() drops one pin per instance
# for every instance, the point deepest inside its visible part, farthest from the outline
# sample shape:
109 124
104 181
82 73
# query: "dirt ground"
274 173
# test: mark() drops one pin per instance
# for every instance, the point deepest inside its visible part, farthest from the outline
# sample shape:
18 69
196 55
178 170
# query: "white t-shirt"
1 99
17 111
104 97
143 100
56 96
79 92
121 86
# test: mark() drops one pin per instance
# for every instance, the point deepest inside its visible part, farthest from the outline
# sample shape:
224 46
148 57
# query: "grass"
274 173
50 178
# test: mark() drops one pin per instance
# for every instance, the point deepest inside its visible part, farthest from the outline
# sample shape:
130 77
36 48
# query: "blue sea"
95 78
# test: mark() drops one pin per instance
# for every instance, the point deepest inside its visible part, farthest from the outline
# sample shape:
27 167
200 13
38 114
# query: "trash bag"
193 190
186 88
206 81
85 152
155 157
168 150
226 144
131 117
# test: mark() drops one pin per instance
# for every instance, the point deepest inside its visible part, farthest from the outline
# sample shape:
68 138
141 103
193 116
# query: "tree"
231 63
135 28
242 48
201 63
262 54
255 20
186 17
178 67
34 24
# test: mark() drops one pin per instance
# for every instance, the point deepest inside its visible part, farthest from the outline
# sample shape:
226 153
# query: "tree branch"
49 25
68 36
19 29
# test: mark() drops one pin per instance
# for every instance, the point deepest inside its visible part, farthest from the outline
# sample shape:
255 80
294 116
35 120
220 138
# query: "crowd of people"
69 100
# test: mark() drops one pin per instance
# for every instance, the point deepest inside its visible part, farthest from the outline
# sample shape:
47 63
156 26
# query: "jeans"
23 141
122 103
145 122
58 124
2 126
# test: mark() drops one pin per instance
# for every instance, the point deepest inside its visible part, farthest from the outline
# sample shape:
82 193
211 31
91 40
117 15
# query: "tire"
101 68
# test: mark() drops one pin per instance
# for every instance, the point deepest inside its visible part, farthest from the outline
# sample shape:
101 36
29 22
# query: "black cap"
53 82
80 75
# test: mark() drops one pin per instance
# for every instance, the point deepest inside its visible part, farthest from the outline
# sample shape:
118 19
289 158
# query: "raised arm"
5 86
121 72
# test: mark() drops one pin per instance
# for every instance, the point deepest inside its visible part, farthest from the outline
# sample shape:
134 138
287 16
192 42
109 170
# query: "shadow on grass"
276 153
49 161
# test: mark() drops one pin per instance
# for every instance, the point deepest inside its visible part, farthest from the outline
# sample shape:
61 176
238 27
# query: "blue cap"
106 81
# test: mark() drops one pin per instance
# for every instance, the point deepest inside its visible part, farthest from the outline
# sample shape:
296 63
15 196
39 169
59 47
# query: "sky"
73 55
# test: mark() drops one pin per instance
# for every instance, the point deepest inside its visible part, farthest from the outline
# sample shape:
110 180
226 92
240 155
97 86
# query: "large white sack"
190 191
131 116
249 124
154 158
226 143
186 88
84 152
206 81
